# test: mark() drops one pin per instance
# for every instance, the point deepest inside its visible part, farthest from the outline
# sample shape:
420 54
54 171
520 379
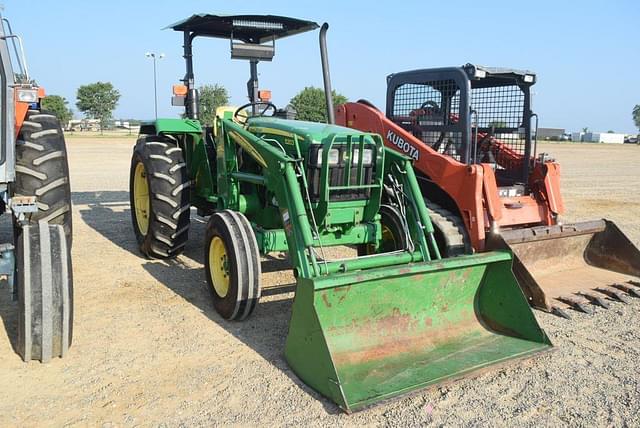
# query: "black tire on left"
42 170
45 292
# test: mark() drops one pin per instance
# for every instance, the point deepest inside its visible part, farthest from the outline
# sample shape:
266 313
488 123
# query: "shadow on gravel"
266 329
108 213
8 306
9 315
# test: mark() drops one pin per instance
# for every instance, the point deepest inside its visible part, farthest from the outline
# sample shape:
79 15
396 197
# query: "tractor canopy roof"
247 28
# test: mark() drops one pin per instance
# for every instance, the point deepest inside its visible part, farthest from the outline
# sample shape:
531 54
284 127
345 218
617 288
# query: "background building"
550 133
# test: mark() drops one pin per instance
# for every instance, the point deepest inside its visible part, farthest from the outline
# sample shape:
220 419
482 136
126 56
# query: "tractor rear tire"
45 292
159 195
393 235
42 170
232 265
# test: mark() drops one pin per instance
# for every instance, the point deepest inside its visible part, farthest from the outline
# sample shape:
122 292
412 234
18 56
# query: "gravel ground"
150 350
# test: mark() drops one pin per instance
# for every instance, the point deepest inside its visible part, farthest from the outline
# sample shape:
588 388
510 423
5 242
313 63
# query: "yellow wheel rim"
219 266
387 244
387 237
141 198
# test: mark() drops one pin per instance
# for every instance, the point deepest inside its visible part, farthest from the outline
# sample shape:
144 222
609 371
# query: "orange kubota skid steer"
471 132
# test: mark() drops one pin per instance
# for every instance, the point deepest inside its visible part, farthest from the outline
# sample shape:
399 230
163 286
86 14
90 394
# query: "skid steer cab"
392 317
35 192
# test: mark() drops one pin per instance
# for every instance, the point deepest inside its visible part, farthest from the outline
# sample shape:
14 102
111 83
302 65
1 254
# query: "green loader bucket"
366 336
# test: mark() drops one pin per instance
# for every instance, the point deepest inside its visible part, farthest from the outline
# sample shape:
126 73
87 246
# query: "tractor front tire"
232 265
45 292
159 195
42 170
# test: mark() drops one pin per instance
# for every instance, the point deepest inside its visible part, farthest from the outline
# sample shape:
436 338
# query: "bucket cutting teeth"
629 289
596 300
576 304
556 310
615 294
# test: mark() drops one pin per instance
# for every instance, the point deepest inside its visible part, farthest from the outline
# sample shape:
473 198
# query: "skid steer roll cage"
469 108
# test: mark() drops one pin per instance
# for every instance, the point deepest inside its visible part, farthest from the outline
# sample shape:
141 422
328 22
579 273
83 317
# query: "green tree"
210 98
97 101
59 107
636 116
310 104
585 129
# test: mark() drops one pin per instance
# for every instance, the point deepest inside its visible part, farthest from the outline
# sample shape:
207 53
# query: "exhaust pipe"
331 117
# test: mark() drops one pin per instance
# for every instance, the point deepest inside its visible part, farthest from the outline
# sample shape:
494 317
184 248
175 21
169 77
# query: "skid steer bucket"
574 265
369 335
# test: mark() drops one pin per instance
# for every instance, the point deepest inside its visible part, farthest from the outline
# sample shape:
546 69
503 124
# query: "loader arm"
461 182
302 219
370 328
473 187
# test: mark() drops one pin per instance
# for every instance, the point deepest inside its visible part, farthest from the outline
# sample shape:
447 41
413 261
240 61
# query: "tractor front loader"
35 192
394 319
471 133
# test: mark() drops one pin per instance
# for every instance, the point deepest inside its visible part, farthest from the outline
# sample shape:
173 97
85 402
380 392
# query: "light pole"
155 57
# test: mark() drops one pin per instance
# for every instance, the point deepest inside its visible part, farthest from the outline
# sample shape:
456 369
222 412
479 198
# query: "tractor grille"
425 110
338 175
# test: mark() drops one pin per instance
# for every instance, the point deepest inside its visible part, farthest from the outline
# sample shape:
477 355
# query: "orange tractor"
35 192
471 133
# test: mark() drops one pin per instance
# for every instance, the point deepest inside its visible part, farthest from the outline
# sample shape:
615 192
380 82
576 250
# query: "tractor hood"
310 131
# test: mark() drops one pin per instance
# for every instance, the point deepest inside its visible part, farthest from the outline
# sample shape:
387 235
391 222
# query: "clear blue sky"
586 53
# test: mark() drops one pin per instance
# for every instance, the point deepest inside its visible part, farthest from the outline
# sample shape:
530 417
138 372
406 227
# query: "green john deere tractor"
396 318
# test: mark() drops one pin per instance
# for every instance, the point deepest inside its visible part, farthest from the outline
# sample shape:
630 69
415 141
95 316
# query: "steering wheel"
267 106
431 105
427 108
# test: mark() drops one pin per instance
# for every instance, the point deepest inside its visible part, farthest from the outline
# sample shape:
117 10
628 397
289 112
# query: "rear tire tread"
42 170
169 210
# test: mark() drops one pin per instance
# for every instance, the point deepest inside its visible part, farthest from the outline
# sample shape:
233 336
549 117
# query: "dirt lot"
149 349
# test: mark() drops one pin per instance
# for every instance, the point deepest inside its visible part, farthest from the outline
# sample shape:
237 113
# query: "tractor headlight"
367 159
334 157
27 95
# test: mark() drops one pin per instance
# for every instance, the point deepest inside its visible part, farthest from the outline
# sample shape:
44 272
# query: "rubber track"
452 228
